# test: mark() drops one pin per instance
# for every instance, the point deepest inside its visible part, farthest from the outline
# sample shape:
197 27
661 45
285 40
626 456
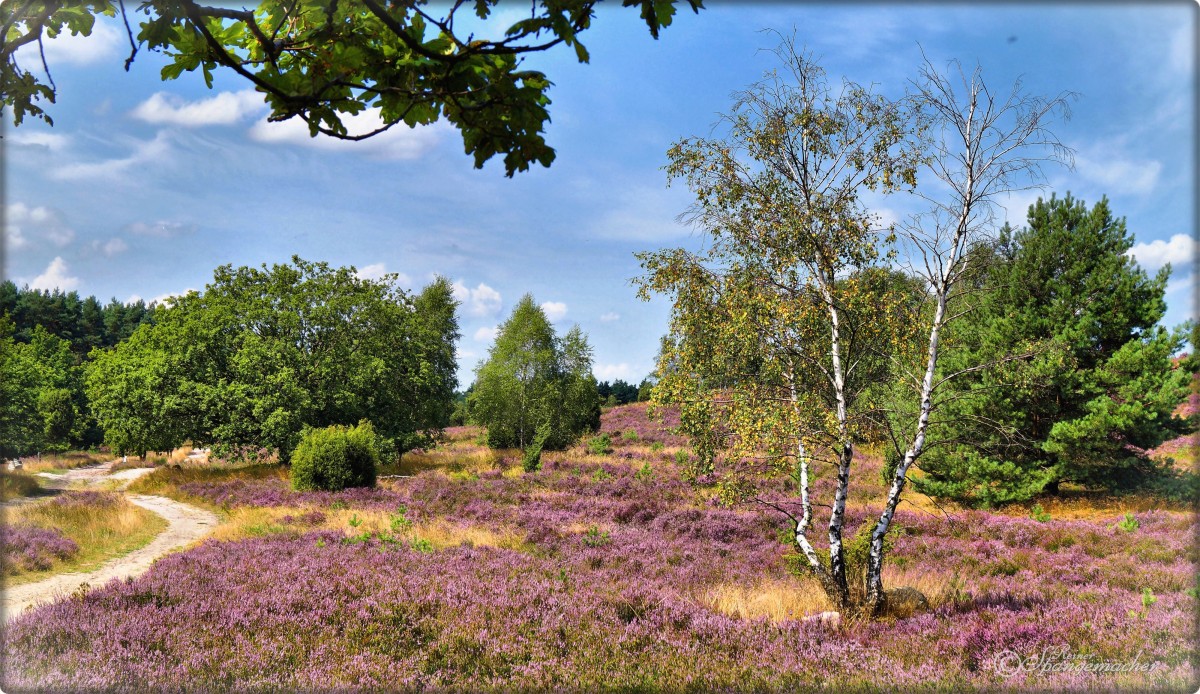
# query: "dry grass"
102 532
458 457
165 481
14 485
243 523
1082 505
62 461
777 600
795 598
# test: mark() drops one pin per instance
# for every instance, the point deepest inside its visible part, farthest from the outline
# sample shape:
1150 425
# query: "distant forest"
84 323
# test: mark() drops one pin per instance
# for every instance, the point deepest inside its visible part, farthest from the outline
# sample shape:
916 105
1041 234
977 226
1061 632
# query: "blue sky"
142 187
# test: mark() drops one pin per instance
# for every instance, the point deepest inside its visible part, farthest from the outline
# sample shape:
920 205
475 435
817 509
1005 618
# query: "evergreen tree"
1095 388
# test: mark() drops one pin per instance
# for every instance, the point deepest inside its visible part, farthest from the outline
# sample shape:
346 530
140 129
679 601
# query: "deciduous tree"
534 381
325 60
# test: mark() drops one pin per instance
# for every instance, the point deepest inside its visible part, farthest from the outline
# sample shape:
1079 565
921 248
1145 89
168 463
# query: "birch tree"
771 357
790 338
981 147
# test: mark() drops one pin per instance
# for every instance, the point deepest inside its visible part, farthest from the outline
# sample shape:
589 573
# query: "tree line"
264 353
84 323
45 340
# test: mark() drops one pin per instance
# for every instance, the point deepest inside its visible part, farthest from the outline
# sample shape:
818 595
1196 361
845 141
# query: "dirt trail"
186 524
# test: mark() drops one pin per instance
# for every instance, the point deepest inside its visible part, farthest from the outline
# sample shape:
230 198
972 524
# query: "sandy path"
186 524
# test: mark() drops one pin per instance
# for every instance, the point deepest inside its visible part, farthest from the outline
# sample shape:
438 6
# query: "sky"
142 187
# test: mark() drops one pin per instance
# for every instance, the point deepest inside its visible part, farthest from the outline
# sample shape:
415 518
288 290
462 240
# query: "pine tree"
1095 387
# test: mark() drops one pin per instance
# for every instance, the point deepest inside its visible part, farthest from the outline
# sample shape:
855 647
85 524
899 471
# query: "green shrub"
336 457
1129 524
594 537
630 435
532 460
600 445
656 447
1038 514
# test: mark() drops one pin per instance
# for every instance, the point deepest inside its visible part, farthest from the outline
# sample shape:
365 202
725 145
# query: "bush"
532 460
600 445
336 457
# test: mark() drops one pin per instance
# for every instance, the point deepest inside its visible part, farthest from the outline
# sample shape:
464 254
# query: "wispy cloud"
161 229
610 317
480 301
1115 171
225 108
398 143
40 222
56 276
143 152
113 246
486 334
643 213
55 142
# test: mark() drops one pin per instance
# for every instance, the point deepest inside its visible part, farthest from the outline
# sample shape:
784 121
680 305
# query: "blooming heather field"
611 572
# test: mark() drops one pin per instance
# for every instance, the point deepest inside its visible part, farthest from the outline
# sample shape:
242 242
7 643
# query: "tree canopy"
532 380
791 340
325 60
263 353
84 322
1097 387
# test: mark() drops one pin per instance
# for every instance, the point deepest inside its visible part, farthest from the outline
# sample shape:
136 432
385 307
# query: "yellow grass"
101 532
61 461
795 598
244 523
165 481
17 484
777 600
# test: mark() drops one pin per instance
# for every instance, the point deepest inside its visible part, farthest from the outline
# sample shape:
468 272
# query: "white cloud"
611 372
376 271
161 229
1111 169
14 238
485 334
400 142
23 222
112 247
103 44
55 277
143 152
165 299
1188 282
54 142
223 109
480 301
1179 250
373 271
610 317
554 310
133 298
